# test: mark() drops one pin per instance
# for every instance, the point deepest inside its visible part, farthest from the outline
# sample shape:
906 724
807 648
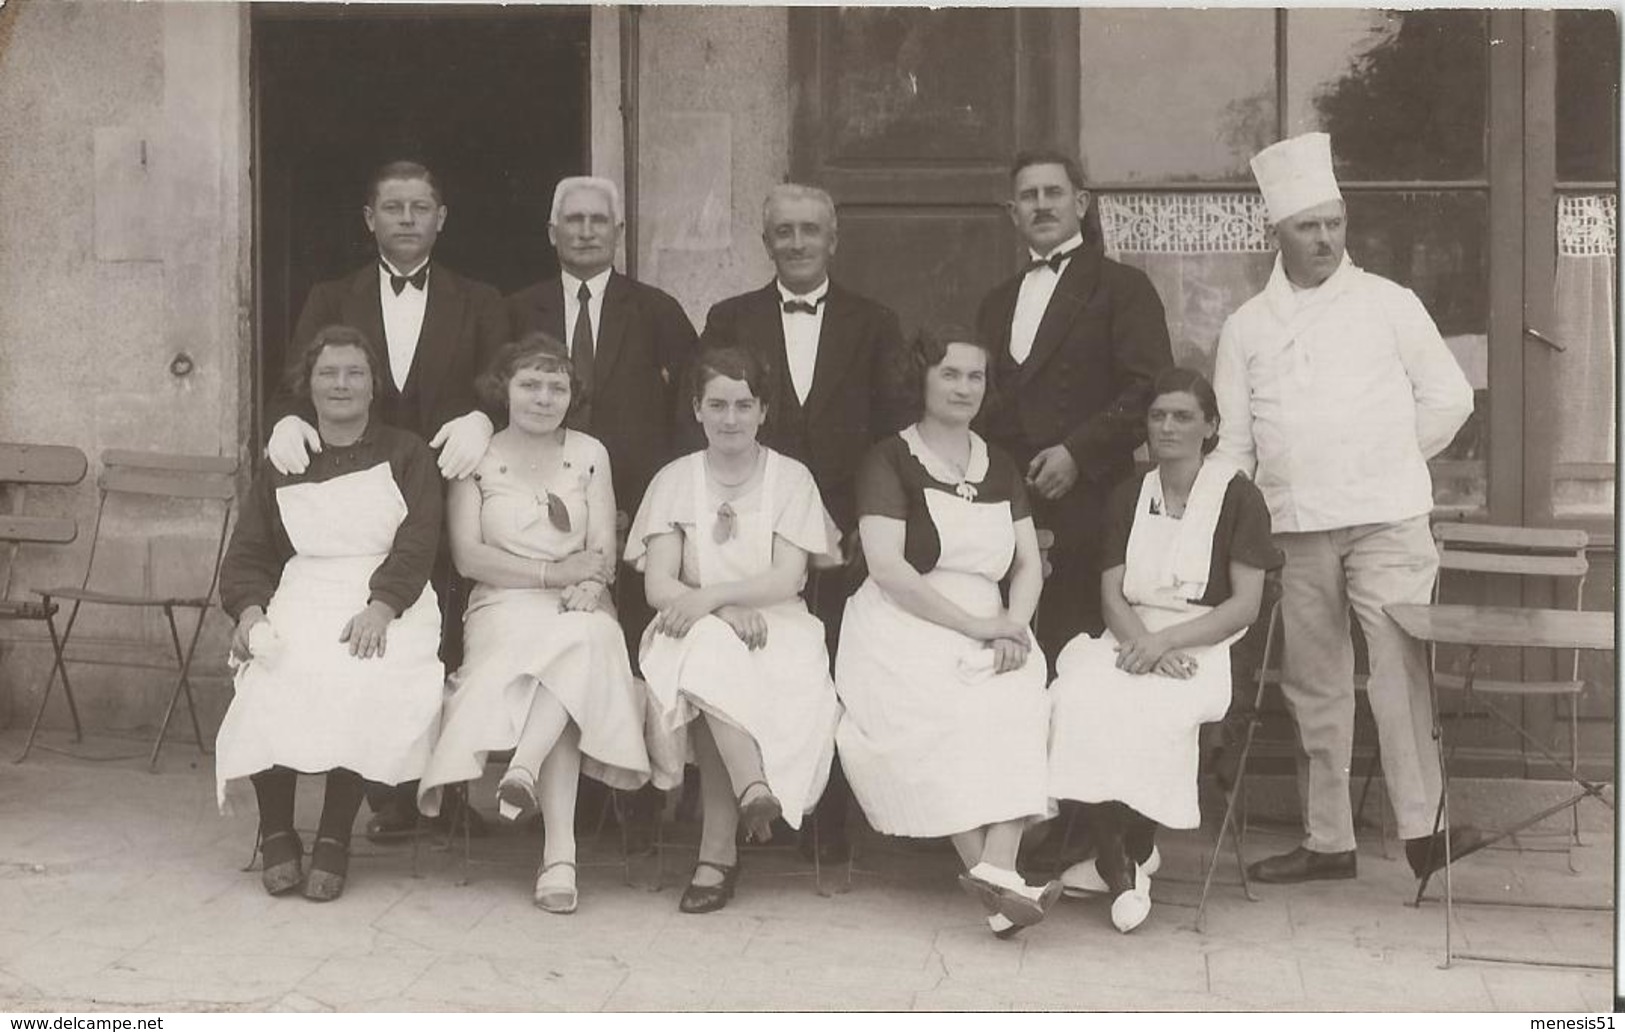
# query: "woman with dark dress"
946 715
1186 548
338 630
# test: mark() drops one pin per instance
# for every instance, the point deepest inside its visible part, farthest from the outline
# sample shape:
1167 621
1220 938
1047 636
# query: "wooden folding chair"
22 465
204 479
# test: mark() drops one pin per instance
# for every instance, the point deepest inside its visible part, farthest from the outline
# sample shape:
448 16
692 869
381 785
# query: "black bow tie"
398 283
1054 261
793 305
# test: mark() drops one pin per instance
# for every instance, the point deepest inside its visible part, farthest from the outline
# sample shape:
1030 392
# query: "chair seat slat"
170 461
168 484
48 530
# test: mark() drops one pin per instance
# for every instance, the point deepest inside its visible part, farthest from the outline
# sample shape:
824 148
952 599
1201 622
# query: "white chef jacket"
1337 397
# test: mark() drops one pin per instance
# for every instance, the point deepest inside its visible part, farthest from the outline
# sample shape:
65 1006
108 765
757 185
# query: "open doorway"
494 100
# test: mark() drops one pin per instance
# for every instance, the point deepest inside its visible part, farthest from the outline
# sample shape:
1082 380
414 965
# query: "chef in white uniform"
1334 389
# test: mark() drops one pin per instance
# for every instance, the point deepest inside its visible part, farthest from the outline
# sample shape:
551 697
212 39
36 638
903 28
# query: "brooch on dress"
966 490
726 526
557 514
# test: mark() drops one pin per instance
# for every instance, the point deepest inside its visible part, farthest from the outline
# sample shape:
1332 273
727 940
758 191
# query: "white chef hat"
1296 174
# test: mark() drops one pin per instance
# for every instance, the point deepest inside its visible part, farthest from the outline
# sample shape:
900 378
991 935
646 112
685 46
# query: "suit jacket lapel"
442 315
550 309
1072 293
362 310
612 318
836 342
761 328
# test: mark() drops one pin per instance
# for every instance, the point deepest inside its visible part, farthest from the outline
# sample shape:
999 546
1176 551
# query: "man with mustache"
1334 390
436 330
1079 338
829 354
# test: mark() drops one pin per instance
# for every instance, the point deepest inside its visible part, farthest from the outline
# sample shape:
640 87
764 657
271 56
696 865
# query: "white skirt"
930 748
515 645
780 695
312 706
1134 738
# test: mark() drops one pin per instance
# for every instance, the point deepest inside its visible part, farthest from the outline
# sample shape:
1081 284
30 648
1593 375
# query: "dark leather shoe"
703 899
329 866
1303 865
281 854
1426 854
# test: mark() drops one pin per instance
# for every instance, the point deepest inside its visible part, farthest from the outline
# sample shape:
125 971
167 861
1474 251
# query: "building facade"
177 175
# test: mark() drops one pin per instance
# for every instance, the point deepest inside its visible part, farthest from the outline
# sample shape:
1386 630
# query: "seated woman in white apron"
1184 558
338 629
545 670
737 668
946 717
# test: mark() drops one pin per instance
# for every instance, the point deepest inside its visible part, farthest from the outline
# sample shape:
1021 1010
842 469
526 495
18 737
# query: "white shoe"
1130 910
1083 878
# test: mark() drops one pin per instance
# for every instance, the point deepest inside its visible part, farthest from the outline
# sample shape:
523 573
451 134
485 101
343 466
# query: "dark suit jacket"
1087 381
463 326
853 401
645 342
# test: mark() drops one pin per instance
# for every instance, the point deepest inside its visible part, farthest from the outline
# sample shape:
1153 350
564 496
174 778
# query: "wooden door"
910 118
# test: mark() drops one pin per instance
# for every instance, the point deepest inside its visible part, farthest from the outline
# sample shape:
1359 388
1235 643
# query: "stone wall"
124 320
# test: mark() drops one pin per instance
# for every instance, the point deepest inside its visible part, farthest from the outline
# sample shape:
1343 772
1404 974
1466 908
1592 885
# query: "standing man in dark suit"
630 345
1079 338
436 331
830 356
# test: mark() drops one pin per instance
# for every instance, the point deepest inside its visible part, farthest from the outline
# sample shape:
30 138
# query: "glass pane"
918 84
1587 95
1208 75
1401 92
1436 244
1583 401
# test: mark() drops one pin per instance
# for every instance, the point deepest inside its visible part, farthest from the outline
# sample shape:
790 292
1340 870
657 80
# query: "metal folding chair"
203 479
1504 551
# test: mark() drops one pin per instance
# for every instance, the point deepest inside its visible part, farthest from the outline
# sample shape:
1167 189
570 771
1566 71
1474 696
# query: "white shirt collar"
811 297
572 284
1073 242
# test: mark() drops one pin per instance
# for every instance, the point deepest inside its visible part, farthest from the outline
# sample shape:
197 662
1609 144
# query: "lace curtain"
1584 380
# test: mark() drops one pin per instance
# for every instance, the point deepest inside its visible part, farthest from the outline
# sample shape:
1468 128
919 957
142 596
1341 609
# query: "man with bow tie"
1334 389
436 331
830 355
1078 340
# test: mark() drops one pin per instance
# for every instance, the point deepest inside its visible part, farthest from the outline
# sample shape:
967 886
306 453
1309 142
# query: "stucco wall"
122 247
713 136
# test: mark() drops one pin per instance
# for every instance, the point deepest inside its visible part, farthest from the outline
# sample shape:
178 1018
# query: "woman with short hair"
946 716
737 668
545 671
338 629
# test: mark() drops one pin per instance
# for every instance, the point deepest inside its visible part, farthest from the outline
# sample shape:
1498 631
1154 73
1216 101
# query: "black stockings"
274 789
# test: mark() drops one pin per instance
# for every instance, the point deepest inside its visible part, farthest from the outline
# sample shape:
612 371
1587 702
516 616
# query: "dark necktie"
1054 261
794 305
398 283
581 356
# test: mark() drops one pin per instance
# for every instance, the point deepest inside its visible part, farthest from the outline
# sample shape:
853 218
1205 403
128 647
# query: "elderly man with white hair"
829 353
1334 389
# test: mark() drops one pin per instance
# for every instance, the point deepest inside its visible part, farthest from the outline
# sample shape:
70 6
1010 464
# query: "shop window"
1402 92
1209 77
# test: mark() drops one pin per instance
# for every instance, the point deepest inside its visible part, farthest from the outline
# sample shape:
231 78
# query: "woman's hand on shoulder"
239 638
367 631
1140 655
748 623
678 618
585 565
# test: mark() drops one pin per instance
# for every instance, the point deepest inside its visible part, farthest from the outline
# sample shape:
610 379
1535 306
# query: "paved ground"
121 890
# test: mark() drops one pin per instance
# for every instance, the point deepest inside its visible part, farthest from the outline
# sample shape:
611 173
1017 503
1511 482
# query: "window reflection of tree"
1411 106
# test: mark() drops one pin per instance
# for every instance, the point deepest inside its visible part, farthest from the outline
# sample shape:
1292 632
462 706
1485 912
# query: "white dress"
309 704
1134 737
932 742
516 642
781 694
